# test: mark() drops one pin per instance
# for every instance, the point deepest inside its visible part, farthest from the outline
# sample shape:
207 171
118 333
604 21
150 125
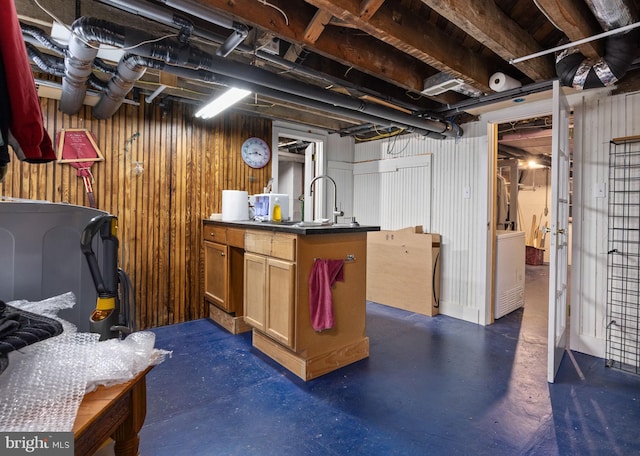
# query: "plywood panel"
185 166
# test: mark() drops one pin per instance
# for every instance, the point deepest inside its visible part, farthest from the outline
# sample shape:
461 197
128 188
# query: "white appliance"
264 203
510 272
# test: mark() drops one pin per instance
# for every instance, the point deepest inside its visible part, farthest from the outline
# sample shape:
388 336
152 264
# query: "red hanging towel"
26 123
324 274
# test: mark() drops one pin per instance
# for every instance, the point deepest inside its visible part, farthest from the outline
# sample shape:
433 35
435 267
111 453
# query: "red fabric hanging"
324 275
70 152
26 123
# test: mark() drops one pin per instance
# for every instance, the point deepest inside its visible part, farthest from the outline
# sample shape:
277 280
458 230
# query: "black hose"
49 64
43 39
127 300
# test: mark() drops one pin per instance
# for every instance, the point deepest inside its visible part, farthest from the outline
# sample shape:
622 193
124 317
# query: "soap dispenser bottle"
277 212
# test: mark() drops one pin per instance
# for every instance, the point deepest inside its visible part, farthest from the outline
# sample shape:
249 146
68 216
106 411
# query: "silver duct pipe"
46 63
78 63
612 14
130 69
55 66
81 57
576 71
38 36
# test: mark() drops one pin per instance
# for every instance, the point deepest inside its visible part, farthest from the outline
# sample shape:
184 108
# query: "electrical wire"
379 136
266 3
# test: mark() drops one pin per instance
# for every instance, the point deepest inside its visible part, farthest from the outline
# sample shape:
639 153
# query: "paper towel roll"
235 205
501 82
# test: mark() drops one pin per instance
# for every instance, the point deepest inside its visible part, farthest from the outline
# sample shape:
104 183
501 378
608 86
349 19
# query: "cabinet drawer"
283 246
214 233
258 242
235 237
277 245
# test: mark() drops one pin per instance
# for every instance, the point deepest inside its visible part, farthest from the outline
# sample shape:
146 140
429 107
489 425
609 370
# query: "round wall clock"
256 152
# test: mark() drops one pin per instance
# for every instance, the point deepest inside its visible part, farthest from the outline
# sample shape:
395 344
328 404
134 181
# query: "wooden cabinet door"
280 301
255 273
216 270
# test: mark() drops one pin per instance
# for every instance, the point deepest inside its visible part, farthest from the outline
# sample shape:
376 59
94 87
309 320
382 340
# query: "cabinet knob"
221 253
212 234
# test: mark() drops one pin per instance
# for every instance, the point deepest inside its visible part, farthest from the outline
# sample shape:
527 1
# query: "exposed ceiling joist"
350 49
316 26
575 21
484 21
402 30
369 7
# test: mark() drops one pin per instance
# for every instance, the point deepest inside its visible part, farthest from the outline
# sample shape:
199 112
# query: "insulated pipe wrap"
574 70
129 71
619 50
42 38
78 64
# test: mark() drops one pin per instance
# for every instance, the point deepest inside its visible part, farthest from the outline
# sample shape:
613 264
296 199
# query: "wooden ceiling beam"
416 38
352 50
576 22
488 24
368 8
316 26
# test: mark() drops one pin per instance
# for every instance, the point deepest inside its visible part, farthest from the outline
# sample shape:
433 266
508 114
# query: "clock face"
256 152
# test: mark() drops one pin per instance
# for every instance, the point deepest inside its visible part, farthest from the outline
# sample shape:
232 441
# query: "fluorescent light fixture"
229 98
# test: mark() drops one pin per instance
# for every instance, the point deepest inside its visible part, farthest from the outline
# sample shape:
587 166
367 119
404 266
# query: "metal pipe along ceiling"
170 51
163 16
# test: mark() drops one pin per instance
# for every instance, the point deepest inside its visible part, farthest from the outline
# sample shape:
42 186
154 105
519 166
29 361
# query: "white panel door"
560 162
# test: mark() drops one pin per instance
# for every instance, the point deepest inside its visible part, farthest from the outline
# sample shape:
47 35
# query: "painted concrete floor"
431 386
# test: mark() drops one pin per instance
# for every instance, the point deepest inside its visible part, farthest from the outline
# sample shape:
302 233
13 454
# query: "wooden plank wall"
186 165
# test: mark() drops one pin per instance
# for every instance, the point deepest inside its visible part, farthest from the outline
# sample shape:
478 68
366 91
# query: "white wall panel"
366 188
433 196
459 214
597 122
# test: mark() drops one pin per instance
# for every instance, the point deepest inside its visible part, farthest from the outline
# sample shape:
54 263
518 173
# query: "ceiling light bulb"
532 164
216 106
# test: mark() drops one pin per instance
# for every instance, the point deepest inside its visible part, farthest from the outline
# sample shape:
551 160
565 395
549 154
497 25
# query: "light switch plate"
466 192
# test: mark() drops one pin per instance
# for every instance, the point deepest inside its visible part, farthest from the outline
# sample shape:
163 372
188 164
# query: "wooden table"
117 412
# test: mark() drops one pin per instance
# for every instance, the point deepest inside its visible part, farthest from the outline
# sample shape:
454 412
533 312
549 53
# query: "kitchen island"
277 263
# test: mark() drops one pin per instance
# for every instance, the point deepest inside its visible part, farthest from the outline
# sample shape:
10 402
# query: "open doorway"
298 158
560 230
524 149
524 164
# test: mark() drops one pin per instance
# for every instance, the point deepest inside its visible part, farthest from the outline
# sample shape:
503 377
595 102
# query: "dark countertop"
289 227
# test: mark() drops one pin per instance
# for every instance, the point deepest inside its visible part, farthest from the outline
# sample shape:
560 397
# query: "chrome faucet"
336 212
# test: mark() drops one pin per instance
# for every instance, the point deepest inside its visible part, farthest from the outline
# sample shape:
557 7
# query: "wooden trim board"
235 325
311 368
